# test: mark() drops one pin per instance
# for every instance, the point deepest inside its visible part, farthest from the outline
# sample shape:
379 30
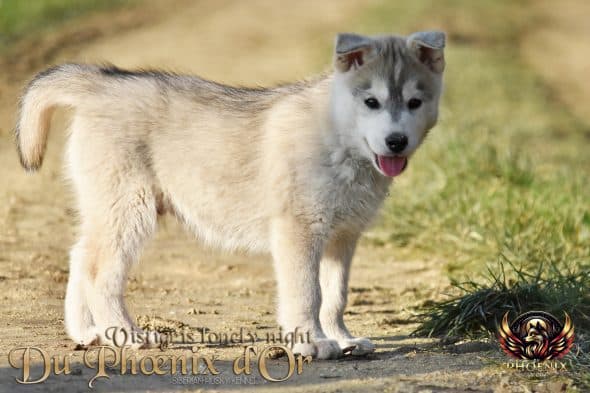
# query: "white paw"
81 329
85 339
362 345
82 334
323 348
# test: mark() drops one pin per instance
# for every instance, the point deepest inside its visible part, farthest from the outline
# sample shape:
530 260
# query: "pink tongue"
392 166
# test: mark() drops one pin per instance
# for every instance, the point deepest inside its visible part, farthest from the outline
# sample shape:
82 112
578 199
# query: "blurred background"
492 216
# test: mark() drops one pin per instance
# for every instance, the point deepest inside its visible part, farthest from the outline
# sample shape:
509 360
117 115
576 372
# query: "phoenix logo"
536 335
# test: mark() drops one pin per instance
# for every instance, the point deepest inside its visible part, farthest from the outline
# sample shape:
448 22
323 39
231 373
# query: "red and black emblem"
536 335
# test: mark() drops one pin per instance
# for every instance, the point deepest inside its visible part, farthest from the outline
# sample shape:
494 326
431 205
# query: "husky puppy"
298 170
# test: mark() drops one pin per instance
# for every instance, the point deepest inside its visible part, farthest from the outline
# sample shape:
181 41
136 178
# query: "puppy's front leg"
334 273
297 252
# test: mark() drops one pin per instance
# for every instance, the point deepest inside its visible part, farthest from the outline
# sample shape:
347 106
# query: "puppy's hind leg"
114 245
115 191
78 318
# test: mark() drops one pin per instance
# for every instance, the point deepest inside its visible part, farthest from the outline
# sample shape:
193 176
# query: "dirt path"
254 42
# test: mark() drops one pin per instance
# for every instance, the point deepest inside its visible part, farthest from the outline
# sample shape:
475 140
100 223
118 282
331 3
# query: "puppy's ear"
428 46
353 51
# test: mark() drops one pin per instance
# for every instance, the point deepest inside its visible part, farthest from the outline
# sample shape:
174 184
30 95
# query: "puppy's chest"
353 203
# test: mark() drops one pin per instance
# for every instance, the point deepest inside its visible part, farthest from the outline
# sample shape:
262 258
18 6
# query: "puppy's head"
385 94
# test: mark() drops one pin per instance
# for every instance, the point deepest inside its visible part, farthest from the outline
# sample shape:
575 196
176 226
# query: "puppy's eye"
372 103
414 103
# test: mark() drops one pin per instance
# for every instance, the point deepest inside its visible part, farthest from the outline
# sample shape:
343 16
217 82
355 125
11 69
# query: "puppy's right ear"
353 50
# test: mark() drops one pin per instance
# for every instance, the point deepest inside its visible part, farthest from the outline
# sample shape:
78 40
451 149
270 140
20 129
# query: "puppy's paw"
362 345
84 337
88 339
323 348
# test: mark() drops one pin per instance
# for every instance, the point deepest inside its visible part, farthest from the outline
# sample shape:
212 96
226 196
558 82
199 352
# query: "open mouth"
391 166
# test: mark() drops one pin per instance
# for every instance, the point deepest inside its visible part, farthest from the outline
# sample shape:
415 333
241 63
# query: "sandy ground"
177 280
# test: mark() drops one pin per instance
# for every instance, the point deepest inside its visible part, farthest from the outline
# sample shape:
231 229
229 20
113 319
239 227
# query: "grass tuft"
478 307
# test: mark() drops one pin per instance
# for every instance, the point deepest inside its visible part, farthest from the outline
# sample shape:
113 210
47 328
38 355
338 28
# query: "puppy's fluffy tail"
58 86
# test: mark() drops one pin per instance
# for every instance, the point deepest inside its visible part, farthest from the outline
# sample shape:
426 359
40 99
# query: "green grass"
504 176
19 18
481 305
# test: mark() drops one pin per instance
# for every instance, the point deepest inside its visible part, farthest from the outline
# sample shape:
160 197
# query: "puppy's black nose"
396 142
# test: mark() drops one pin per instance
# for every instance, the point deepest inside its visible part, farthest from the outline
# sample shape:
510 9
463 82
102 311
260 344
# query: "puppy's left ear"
353 51
428 46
